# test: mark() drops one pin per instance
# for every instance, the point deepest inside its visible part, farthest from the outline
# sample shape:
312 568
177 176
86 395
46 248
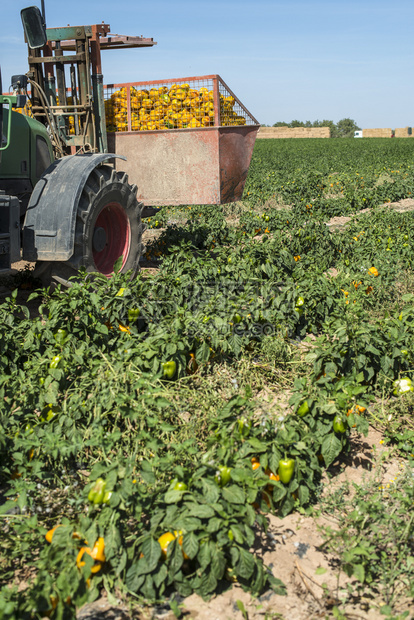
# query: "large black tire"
108 226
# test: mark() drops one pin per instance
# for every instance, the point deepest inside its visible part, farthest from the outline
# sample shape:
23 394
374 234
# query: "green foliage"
330 177
272 293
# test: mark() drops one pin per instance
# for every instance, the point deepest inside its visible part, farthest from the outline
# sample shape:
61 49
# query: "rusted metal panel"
186 166
171 167
192 146
235 152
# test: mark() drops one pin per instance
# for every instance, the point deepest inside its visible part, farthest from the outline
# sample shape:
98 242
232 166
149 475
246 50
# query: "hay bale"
404 132
377 133
294 132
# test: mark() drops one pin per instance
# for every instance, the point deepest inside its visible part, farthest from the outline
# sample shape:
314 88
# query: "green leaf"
211 493
258 445
359 572
240 475
204 554
148 477
234 494
218 564
133 580
277 585
214 524
172 496
275 457
148 589
237 533
118 264
242 609
256 585
184 587
175 609
250 535
329 408
209 584
190 524
331 448
386 610
168 428
203 353
279 492
358 550
303 494
177 559
151 551
245 565
9 505
190 545
287 505
200 510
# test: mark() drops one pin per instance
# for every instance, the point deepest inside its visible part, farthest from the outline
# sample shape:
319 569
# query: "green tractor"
62 203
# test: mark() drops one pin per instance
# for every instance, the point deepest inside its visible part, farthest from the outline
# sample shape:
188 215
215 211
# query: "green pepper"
107 496
60 336
49 412
169 369
299 303
223 475
96 494
286 470
178 485
237 318
303 409
56 361
133 314
402 386
339 425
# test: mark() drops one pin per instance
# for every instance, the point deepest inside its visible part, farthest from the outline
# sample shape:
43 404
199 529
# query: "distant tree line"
342 129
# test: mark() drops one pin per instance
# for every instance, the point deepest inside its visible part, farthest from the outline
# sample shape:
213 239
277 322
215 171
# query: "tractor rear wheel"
108 227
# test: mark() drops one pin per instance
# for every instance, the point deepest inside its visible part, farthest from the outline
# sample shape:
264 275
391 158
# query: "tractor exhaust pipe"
44 13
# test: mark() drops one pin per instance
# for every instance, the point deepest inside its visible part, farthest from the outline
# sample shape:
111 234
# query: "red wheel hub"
111 238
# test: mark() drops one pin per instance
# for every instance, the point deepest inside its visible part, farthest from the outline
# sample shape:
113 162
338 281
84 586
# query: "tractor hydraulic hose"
50 117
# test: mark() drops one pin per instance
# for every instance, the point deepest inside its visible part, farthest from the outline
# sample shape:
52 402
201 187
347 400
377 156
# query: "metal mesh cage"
184 103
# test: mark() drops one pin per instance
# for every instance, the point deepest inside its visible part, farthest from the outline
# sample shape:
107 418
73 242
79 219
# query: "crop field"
155 431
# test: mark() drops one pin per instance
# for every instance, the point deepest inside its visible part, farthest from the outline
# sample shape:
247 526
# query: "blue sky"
284 60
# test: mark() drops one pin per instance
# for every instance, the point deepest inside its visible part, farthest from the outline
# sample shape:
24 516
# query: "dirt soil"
407 204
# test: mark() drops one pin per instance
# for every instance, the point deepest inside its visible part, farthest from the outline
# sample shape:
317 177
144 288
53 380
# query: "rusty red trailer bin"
186 141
